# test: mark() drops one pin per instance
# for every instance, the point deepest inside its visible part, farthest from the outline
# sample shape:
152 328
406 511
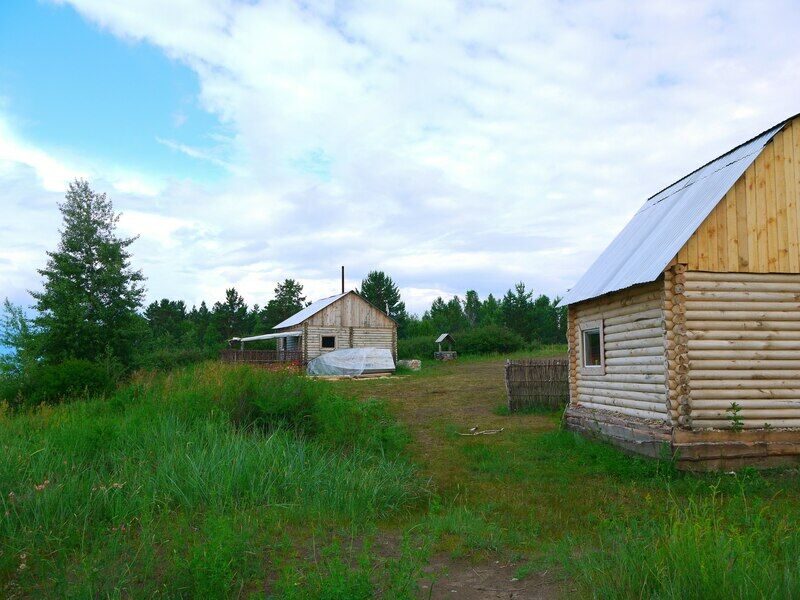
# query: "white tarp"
352 361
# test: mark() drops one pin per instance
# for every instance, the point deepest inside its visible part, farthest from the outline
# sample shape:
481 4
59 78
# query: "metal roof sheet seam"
660 228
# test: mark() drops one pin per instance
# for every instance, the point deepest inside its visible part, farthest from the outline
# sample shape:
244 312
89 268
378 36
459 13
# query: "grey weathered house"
342 321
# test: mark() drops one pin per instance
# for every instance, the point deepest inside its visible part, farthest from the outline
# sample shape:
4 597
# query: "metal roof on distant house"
309 311
647 244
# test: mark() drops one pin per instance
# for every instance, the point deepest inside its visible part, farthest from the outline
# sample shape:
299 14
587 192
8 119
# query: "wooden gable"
755 228
351 310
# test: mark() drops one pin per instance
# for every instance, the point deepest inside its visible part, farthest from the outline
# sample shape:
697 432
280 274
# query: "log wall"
348 337
634 382
756 227
743 335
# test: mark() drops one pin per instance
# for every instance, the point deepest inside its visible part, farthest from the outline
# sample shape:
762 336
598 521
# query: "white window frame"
323 348
592 369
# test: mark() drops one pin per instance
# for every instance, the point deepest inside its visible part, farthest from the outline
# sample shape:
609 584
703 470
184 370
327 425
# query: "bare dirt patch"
448 578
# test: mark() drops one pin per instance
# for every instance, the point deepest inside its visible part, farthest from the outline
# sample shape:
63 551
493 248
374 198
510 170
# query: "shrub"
272 400
168 359
53 383
488 339
416 347
480 340
10 389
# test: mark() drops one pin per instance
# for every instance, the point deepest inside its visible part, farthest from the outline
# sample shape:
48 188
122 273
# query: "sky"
454 145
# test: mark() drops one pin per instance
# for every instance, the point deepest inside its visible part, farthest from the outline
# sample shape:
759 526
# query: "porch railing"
261 357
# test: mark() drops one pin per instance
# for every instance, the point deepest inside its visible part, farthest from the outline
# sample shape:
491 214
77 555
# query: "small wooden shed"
684 335
345 320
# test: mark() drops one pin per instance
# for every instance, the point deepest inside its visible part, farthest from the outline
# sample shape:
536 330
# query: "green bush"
167 359
53 383
488 339
416 347
10 389
312 408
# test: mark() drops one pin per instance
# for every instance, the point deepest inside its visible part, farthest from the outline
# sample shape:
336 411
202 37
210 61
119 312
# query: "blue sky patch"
68 85
314 162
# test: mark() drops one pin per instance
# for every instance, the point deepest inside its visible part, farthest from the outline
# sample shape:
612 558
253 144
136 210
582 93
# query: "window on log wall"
592 350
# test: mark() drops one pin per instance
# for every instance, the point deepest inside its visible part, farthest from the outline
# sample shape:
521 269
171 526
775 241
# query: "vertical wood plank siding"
754 228
354 322
743 335
635 381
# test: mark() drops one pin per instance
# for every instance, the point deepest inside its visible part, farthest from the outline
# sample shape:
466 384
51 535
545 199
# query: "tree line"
91 307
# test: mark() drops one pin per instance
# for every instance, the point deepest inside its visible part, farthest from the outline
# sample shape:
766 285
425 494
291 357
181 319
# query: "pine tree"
517 311
288 300
472 308
200 318
490 311
447 317
166 319
230 317
90 292
378 289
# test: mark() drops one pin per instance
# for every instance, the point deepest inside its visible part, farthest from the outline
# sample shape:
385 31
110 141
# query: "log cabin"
345 320
684 335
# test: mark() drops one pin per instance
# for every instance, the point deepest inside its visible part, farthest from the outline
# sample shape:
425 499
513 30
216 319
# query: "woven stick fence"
537 383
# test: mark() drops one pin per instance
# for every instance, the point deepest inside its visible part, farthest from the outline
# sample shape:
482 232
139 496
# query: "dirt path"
436 405
492 579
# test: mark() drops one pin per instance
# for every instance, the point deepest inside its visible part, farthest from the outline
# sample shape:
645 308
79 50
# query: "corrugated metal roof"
309 311
643 249
267 336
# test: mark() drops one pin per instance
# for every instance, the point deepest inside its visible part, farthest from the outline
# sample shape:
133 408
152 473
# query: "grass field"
233 482
567 517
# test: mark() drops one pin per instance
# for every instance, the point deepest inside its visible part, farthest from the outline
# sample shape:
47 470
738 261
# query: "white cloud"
53 175
455 144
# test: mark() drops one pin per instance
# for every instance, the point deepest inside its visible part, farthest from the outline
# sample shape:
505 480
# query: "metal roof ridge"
734 149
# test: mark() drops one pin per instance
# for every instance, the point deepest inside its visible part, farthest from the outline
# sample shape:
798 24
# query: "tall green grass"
705 548
89 483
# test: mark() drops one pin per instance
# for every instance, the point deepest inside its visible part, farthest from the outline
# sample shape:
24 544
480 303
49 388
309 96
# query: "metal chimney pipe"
343 279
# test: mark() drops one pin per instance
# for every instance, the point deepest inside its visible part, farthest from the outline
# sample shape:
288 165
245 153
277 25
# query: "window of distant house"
329 341
592 351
